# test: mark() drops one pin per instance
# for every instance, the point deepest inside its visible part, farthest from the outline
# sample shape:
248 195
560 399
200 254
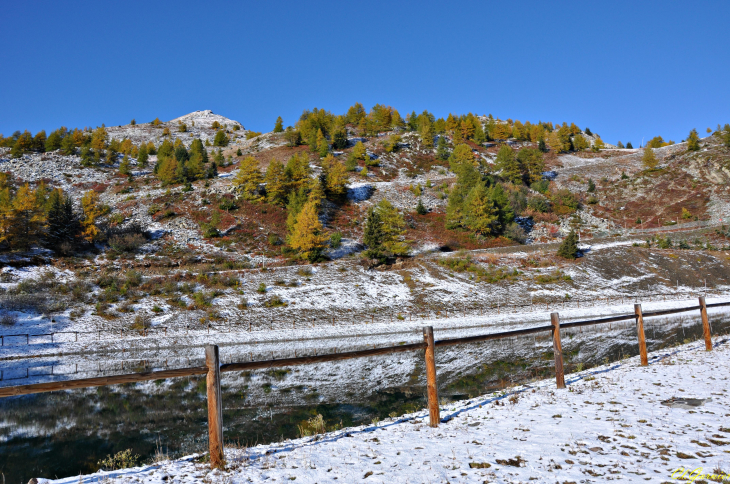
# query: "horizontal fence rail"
214 368
10 340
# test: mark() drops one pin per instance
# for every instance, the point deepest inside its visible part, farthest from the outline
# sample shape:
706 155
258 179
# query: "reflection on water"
66 433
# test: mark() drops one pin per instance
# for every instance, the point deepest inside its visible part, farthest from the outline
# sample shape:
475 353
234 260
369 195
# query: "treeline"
322 130
177 164
292 185
486 200
42 216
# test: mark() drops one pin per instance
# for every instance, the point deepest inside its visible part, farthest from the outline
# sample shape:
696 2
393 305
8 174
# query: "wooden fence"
10 340
213 368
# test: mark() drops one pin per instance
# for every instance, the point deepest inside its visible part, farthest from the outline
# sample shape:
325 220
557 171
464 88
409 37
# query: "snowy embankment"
613 422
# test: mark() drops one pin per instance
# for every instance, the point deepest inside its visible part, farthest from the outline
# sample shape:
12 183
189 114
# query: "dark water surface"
66 433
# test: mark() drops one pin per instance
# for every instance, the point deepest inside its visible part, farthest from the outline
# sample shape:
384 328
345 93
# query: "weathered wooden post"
705 325
558 351
640 332
432 387
215 407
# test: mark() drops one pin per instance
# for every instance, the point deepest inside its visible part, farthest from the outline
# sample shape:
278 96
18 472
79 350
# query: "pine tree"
693 141
339 139
63 223
579 142
359 151
373 235
501 201
39 141
248 179
393 229
554 142
298 171
426 133
53 142
442 149
598 145
27 218
649 159
480 214
212 170
308 237
23 144
591 186
125 167
322 146
620 145
569 248
196 147
218 157
67 146
507 163
296 202
335 178
480 136
220 139
142 155
629 146
532 164
167 170
276 183
279 126
420 209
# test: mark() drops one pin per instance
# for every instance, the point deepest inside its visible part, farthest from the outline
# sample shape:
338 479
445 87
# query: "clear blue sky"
625 69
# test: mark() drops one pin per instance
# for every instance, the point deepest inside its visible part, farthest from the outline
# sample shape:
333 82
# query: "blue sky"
625 69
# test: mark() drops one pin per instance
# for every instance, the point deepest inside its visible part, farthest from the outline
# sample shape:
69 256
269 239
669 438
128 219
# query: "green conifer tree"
693 141
279 125
276 183
569 247
442 149
220 139
142 155
508 165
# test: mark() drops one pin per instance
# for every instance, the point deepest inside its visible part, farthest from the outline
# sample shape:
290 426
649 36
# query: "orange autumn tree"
92 211
308 237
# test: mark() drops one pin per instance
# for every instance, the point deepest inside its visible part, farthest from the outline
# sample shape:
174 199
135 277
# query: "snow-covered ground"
617 422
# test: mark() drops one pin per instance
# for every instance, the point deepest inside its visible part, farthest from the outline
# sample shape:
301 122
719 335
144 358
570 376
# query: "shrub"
227 204
120 460
538 204
274 239
8 319
312 426
127 242
541 186
262 288
305 272
336 240
516 233
153 209
275 302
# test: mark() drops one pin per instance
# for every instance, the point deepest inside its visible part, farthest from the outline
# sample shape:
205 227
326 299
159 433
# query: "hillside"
180 244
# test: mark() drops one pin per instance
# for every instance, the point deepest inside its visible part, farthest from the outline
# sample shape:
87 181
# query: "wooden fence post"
640 332
432 387
558 351
705 325
215 407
